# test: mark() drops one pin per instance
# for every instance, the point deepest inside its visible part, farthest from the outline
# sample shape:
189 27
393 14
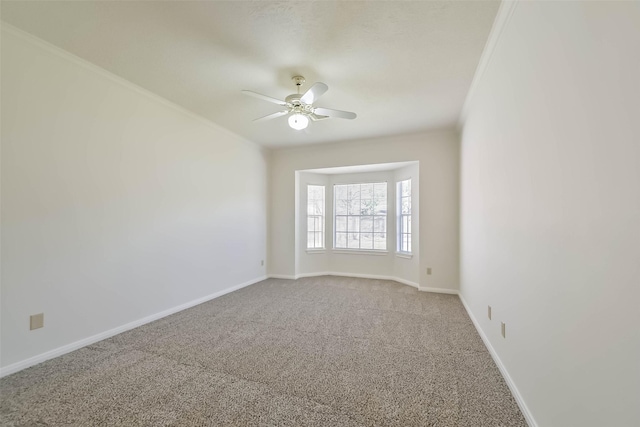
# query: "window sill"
316 251
359 252
404 255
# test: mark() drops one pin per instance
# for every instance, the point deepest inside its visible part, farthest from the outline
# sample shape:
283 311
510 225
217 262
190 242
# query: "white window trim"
407 255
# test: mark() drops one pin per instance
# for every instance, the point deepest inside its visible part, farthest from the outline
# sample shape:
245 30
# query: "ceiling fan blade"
316 117
314 93
335 113
271 116
264 97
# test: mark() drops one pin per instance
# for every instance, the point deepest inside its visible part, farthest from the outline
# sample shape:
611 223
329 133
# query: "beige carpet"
324 351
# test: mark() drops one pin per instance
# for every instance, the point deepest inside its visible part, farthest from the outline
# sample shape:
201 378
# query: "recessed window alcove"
348 221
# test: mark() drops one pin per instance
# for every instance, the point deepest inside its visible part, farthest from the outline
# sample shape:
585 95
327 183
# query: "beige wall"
550 209
438 154
116 205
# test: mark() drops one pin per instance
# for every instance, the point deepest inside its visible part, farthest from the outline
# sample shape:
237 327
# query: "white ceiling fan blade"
335 113
264 97
316 117
271 116
314 93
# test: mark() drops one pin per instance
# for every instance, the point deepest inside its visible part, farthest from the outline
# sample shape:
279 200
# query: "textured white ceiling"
403 67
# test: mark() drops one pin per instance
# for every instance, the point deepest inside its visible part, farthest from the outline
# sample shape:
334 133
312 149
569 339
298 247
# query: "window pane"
381 206
353 223
341 223
380 241
406 206
310 224
318 192
408 242
380 224
380 190
367 207
406 188
318 239
342 207
408 229
353 240
366 224
354 207
366 191
310 243
366 241
341 240
353 191
318 207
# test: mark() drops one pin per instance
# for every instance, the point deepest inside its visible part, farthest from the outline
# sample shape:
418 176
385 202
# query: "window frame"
373 217
321 221
401 231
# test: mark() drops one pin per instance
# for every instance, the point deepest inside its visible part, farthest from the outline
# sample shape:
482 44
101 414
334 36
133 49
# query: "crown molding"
503 17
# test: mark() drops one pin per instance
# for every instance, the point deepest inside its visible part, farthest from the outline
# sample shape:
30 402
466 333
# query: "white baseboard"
281 276
405 282
370 276
439 290
322 273
367 276
505 374
23 364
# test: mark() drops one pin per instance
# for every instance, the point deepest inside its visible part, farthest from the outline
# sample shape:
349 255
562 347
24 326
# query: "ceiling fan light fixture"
298 121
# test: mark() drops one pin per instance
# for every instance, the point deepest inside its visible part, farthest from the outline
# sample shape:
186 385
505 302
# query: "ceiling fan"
300 107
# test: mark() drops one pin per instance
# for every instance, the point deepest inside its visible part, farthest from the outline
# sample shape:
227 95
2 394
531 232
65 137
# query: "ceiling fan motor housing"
297 106
294 103
294 99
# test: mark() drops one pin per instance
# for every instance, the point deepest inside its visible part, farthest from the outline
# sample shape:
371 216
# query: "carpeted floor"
322 351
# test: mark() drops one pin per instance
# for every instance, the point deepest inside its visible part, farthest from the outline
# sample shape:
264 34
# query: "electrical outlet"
428 270
36 321
489 311
502 329
262 263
